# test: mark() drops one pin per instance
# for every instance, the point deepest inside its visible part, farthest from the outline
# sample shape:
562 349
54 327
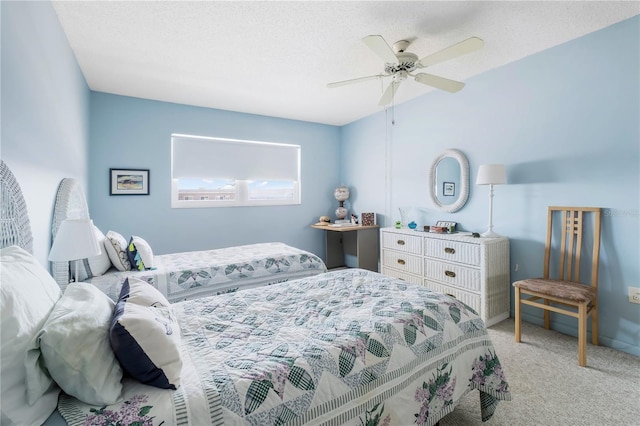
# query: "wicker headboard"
15 228
70 204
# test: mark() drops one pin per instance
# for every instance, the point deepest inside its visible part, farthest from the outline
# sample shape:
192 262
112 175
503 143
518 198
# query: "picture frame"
446 224
128 181
448 189
368 219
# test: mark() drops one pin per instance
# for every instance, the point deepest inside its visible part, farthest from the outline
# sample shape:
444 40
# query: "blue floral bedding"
190 275
348 347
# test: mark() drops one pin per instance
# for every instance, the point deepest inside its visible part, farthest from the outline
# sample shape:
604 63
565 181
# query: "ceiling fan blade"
459 49
381 48
389 94
441 83
354 80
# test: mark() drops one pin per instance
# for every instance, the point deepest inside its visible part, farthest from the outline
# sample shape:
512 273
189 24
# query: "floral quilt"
349 347
190 275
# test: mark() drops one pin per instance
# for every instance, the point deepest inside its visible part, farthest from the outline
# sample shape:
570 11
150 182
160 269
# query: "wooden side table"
359 240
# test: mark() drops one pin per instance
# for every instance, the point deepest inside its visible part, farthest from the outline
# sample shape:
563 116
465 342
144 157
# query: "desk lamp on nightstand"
341 194
74 240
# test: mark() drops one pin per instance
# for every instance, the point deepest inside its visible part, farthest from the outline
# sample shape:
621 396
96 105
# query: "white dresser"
474 270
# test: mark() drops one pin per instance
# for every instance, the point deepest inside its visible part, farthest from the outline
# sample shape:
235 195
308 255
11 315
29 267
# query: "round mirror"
449 181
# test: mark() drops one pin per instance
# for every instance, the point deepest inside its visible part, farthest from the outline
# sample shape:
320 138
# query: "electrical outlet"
634 294
516 267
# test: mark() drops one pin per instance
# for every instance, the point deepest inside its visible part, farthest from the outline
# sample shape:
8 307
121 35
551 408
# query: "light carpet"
549 388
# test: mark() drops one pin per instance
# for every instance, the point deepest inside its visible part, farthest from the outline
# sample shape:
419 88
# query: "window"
216 172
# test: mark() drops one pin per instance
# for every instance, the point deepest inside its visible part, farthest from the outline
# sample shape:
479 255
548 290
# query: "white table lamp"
74 240
491 174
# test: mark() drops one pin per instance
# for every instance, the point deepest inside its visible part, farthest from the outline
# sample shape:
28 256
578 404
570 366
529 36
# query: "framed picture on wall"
129 181
448 189
446 224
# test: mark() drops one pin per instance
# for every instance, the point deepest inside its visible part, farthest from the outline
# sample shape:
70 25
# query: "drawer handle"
449 250
450 274
400 242
401 261
452 295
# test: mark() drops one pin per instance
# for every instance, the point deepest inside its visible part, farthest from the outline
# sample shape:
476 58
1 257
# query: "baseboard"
573 331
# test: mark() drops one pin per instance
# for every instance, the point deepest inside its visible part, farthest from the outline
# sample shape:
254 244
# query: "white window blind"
203 157
218 172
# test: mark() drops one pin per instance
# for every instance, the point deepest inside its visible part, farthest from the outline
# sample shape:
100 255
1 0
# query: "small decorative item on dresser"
398 224
412 225
368 219
446 224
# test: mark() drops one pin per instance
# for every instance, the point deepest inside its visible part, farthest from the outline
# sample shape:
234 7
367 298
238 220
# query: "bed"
343 347
186 275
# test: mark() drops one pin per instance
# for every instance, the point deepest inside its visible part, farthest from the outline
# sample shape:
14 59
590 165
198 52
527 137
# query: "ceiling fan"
399 64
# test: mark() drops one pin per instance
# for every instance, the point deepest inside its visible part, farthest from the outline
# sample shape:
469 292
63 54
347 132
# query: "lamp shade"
489 174
74 240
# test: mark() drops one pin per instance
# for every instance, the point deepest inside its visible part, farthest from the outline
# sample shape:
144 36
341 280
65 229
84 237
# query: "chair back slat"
573 227
572 237
596 250
563 246
547 246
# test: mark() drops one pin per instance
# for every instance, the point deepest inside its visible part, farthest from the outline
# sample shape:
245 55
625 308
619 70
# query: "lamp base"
490 234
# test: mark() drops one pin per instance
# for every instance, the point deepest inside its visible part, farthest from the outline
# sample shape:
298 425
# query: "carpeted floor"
549 388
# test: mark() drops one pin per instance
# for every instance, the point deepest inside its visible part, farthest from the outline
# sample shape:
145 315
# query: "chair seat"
576 292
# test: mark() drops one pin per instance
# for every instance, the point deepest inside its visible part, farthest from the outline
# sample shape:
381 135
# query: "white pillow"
93 266
145 336
140 254
73 348
28 295
116 247
142 293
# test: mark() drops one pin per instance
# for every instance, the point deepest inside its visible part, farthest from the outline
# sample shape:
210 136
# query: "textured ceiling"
275 58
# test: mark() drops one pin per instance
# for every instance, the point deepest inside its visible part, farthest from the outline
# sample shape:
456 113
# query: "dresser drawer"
452 251
402 276
401 242
457 275
469 299
402 262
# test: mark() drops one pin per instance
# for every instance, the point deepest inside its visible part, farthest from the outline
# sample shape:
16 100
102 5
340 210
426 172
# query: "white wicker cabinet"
474 270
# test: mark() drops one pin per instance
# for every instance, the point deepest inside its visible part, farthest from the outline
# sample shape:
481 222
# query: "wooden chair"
567 294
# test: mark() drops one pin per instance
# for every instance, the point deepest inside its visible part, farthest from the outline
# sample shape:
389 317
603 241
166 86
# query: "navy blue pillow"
146 338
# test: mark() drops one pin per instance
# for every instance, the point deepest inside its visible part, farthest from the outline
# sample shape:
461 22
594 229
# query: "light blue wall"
135 133
44 111
566 122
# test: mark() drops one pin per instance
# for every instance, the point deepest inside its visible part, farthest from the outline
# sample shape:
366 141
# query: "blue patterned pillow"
140 254
145 335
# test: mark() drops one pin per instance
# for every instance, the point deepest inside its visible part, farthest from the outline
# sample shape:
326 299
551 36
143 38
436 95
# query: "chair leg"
517 320
594 324
582 335
547 316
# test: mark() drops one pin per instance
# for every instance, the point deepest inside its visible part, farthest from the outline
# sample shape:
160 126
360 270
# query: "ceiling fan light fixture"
399 64
400 46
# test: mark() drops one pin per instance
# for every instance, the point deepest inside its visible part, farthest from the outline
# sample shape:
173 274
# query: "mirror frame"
464 181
